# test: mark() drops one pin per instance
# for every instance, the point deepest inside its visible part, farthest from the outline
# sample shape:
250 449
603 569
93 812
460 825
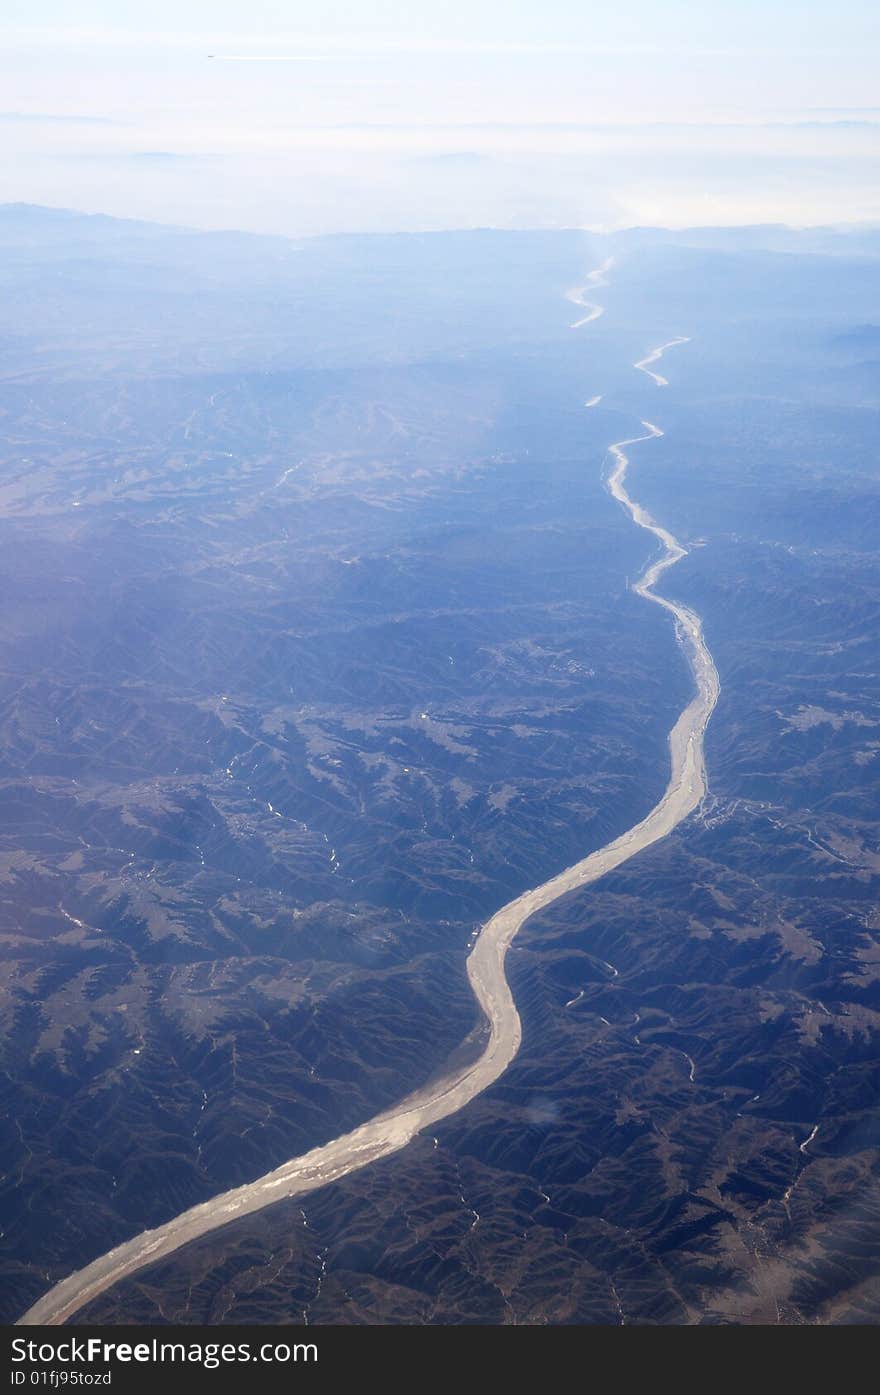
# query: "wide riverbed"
389 1132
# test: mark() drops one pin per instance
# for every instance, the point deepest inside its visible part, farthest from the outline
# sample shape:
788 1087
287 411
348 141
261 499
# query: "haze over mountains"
318 646
377 117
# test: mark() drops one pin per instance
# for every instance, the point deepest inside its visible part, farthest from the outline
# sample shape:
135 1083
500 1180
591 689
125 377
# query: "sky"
308 118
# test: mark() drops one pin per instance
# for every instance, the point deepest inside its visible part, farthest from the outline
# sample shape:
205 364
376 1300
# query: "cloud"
452 157
73 118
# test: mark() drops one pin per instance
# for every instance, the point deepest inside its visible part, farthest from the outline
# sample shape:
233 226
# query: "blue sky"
305 118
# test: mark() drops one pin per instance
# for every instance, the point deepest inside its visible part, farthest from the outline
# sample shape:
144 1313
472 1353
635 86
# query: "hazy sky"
317 117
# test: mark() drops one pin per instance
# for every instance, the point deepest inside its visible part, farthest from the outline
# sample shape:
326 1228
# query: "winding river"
577 296
392 1130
